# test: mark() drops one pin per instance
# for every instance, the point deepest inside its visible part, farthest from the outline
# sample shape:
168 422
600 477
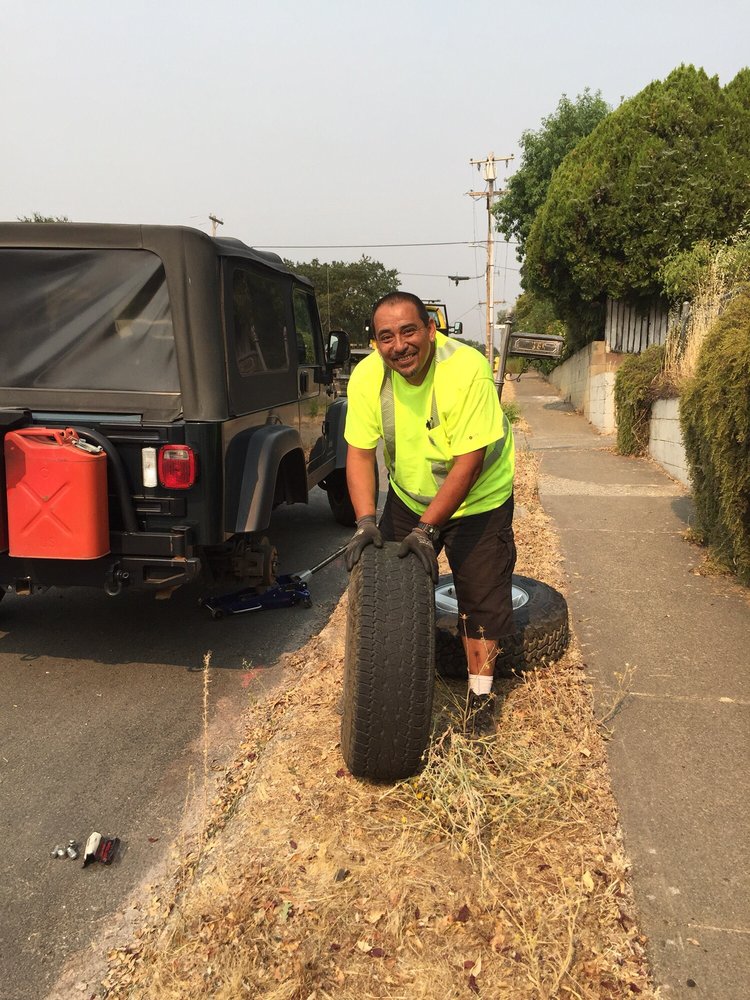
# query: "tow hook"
115 580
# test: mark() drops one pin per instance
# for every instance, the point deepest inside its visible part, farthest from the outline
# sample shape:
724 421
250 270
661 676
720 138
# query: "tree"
543 151
36 217
669 167
346 292
534 314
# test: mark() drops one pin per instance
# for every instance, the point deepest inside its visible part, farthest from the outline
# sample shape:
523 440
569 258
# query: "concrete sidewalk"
679 644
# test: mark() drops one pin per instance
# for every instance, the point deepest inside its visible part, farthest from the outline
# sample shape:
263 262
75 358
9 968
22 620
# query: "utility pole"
214 223
490 175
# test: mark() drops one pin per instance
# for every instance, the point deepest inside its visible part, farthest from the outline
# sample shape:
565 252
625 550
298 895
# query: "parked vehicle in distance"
342 375
175 387
439 313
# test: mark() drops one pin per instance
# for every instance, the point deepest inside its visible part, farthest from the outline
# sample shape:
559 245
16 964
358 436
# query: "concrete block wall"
602 402
665 439
587 381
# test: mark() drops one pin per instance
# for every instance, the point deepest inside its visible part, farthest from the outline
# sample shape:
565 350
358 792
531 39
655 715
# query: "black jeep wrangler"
161 391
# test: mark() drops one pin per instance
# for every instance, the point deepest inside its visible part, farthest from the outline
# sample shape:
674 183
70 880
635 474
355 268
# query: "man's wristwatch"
431 530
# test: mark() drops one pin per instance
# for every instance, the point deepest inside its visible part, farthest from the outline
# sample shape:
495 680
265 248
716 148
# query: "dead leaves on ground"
306 884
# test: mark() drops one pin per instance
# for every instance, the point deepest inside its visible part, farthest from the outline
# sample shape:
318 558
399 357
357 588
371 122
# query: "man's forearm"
360 478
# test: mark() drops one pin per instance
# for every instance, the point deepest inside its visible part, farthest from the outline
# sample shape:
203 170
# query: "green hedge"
635 391
715 419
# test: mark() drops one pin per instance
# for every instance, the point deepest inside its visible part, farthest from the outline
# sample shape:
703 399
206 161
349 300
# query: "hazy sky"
319 123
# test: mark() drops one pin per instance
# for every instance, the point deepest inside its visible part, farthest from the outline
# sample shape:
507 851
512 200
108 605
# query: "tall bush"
635 390
715 419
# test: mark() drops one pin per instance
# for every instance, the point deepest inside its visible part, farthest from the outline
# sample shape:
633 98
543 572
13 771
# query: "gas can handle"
60 437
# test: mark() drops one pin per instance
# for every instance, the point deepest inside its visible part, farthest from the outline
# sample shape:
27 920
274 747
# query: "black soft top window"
85 319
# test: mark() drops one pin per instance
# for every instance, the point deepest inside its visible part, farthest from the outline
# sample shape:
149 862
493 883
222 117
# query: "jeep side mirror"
457 329
338 347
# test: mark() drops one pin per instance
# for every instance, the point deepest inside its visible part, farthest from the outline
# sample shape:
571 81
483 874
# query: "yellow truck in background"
439 313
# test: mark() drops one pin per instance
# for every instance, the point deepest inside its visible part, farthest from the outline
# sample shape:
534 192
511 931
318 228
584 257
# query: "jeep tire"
389 665
338 497
541 633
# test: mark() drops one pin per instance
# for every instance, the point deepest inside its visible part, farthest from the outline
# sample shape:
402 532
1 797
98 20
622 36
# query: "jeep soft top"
159 285
197 364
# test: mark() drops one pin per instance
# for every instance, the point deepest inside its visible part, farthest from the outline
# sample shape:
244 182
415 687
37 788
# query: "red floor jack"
290 589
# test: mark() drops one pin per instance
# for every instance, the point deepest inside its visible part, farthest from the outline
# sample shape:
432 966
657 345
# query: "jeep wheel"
339 499
389 665
541 634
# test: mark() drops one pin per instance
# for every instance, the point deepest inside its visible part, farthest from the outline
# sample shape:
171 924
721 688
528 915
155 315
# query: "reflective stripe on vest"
439 470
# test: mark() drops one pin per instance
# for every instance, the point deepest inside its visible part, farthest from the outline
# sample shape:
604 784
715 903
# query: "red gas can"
57 495
3 512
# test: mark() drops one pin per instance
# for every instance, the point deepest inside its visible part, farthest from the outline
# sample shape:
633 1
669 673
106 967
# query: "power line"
365 246
420 274
471 277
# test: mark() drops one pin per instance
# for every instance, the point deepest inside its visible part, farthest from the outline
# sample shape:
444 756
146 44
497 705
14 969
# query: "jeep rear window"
85 319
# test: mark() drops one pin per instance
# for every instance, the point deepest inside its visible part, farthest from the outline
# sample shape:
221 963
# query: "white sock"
480 683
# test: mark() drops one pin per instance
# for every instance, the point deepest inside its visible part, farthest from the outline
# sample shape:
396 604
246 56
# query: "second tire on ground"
541 634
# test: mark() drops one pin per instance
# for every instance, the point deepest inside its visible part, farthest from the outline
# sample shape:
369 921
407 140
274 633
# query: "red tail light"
177 466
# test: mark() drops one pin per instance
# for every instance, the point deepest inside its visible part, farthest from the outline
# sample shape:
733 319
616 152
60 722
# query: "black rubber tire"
541 634
338 497
389 665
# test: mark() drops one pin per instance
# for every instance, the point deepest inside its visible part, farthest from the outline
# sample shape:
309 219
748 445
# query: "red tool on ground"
99 848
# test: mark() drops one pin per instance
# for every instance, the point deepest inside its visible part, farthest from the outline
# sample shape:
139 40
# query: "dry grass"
684 340
497 871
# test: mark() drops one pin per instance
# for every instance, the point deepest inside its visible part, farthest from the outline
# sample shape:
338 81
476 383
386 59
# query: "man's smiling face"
405 343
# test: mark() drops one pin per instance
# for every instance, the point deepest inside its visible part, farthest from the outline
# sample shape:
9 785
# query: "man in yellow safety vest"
449 452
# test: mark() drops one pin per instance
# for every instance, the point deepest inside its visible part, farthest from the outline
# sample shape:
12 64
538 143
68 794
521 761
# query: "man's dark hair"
424 316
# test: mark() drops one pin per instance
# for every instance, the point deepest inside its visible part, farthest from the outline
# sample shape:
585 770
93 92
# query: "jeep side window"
309 339
260 332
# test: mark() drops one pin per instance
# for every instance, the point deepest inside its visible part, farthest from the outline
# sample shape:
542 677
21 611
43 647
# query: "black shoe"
480 715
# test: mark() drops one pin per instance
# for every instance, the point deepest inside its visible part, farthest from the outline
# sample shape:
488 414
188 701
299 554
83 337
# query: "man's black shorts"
481 553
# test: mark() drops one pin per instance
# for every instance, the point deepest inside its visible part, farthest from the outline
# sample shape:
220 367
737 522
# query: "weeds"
479 794
619 696
512 412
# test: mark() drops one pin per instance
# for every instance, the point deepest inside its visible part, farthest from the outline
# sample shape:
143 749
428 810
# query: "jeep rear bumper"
144 559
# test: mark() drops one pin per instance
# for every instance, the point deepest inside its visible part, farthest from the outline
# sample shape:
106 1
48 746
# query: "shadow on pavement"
559 404
75 625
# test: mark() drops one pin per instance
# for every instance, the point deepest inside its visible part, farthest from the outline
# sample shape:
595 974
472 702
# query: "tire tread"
388 665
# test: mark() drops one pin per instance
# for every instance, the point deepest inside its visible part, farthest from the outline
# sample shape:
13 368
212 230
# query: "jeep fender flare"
336 419
273 470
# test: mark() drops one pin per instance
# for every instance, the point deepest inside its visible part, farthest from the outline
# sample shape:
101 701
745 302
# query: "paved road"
100 722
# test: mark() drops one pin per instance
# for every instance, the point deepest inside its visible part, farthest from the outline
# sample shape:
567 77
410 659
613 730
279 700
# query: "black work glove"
366 534
418 543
